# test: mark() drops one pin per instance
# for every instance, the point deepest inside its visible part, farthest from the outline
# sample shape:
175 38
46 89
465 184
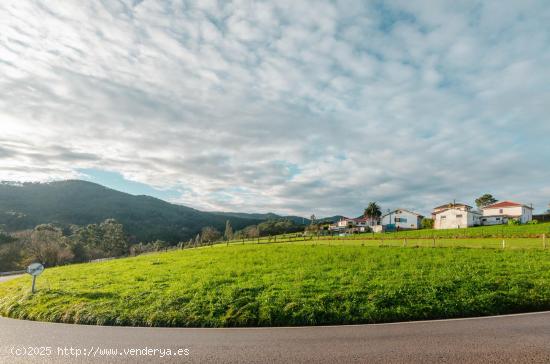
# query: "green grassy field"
388 241
391 241
496 231
286 284
535 231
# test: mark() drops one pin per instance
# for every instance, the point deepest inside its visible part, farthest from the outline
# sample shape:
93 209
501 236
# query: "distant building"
343 225
401 219
357 225
455 216
503 211
364 224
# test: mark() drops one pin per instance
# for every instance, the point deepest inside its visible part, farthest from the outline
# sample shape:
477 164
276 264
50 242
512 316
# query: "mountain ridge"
69 202
23 205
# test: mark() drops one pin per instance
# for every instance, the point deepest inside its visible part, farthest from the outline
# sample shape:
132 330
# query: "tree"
427 223
485 200
90 237
114 241
48 246
159 245
372 211
10 257
209 234
251 231
5 238
197 240
228 235
313 219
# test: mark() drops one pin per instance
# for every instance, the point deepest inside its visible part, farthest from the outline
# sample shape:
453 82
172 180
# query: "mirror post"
35 269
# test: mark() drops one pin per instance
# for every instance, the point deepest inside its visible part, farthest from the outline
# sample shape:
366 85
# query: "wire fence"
383 240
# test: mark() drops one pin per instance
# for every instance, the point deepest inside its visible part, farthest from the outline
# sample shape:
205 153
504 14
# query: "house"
349 225
401 219
343 225
455 216
364 224
503 211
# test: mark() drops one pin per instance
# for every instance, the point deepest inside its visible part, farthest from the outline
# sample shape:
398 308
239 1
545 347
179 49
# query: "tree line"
210 235
52 245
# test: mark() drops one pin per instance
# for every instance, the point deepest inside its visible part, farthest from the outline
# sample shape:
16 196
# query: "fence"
539 242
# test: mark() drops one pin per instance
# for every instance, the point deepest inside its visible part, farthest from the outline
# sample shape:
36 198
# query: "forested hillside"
74 202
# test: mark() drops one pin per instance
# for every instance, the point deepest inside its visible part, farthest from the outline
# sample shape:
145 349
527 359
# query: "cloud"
270 106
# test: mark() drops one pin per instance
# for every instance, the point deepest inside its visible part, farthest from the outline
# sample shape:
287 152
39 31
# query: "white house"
455 216
365 223
401 219
360 224
501 212
345 222
342 225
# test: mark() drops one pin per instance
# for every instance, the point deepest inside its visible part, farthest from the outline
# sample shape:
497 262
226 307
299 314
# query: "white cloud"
258 106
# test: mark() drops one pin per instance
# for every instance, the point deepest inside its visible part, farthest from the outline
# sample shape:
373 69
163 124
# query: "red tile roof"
503 204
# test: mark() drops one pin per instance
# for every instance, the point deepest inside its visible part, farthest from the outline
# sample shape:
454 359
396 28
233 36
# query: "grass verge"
285 284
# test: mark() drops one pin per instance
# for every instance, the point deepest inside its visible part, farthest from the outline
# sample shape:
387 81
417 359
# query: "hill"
298 220
145 218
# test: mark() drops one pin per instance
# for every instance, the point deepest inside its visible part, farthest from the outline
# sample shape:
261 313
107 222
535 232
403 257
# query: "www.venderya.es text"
96 351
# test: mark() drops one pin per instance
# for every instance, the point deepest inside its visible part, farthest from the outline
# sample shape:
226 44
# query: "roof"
362 218
447 205
409 211
503 204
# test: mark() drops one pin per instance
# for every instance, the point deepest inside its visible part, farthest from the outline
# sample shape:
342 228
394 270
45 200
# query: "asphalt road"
521 338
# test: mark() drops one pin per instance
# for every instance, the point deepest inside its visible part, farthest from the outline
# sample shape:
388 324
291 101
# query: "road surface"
7 278
523 338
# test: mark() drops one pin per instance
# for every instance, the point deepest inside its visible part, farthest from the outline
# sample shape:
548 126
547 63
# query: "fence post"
433 245
503 244
544 241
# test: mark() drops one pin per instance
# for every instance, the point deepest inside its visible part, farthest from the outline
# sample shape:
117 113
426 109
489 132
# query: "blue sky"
116 181
289 106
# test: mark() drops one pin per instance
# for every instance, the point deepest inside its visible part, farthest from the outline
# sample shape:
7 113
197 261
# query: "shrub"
427 223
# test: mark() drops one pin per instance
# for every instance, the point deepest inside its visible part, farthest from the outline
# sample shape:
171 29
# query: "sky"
295 107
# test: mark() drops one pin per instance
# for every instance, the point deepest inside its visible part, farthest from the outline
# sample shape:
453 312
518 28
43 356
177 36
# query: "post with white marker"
35 269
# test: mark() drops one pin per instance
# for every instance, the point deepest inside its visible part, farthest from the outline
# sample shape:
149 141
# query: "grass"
495 231
286 284
480 232
391 241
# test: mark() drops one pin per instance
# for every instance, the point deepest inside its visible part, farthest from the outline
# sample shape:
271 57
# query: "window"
459 216
443 217
501 211
400 219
